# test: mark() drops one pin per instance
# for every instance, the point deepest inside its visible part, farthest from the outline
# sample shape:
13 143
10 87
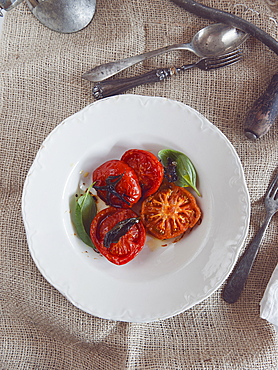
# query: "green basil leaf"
88 209
84 211
185 170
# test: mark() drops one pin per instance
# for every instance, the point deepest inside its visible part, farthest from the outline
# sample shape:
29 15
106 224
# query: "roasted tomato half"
148 169
125 246
117 184
170 212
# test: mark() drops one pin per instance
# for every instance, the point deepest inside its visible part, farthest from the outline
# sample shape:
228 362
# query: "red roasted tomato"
147 167
117 184
128 245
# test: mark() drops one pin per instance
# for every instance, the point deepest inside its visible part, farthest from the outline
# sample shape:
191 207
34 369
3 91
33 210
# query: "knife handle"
264 112
111 87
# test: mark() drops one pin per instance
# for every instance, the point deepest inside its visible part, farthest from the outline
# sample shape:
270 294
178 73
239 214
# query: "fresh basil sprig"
184 168
84 211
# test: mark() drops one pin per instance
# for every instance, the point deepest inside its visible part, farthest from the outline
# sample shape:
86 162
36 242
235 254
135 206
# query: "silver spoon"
210 41
63 16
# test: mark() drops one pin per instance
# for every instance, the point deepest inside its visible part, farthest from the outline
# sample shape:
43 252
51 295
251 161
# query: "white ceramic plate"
161 281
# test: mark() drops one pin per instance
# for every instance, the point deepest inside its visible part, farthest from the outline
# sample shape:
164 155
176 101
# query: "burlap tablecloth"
40 85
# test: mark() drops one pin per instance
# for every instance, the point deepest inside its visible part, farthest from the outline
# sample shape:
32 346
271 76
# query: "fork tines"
224 60
273 188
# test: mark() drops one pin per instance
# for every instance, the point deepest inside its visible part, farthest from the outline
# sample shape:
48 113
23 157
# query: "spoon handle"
111 87
104 71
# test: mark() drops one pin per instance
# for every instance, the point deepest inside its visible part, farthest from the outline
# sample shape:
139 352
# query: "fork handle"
237 279
111 87
264 112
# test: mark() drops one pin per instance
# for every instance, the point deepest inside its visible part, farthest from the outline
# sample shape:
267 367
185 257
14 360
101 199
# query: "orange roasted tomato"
170 212
118 234
148 169
117 184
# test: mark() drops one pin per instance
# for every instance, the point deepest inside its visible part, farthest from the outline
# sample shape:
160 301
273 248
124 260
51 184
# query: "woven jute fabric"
40 86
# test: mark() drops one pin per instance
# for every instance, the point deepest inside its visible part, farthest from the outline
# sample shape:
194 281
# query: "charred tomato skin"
147 167
170 212
127 187
128 246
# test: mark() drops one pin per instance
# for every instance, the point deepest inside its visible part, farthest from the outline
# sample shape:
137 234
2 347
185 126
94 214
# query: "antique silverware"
211 41
256 127
237 279
116 86
217 15
63 15
59 15
264 112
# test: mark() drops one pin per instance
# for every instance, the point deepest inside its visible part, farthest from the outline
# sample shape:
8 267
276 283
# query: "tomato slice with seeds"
128 246
147 167
117 184
170 212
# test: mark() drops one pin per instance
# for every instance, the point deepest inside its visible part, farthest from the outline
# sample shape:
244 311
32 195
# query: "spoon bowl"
64 16
216 39
211 41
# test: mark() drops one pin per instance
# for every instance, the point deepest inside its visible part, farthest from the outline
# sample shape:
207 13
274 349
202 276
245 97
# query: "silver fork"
237 279
111 87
